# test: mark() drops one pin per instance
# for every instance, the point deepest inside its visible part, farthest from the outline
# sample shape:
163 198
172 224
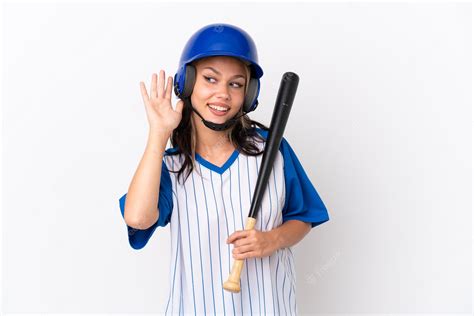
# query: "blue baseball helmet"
219 40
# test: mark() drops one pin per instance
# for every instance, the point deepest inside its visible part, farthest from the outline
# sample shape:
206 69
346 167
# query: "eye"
207 78
237 85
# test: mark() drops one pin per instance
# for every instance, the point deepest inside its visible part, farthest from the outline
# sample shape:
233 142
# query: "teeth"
218 108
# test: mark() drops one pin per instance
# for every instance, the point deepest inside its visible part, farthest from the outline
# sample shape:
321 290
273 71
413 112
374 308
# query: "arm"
141 210
289 233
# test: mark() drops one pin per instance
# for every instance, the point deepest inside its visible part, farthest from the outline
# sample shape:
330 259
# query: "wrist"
159 134
276 238
157 140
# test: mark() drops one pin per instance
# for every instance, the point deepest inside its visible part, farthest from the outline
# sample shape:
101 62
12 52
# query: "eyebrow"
217 72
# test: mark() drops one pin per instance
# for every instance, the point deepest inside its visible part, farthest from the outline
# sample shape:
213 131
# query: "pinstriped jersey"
206 209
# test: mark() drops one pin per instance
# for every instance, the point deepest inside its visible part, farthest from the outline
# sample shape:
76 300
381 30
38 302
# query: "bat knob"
232 286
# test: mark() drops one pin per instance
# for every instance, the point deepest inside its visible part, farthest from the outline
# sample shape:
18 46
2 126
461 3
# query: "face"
220 82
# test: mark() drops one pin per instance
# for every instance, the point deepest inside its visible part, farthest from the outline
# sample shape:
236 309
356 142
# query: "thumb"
179 106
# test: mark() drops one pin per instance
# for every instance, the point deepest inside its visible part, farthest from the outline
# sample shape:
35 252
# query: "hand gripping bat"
281 112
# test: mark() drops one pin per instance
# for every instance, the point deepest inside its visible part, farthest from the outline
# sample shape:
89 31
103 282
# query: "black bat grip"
281 112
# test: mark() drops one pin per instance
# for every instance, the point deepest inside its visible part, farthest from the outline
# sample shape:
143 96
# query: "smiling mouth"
217 113
219 108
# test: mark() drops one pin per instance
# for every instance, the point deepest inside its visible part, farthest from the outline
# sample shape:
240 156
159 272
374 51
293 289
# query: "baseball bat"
281 112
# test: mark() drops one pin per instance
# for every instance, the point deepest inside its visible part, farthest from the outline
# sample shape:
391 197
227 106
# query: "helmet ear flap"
187 81
251 101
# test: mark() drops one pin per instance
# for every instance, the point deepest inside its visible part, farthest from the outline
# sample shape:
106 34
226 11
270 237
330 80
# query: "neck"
208 141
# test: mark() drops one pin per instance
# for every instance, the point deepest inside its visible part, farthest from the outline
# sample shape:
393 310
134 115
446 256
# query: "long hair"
242 135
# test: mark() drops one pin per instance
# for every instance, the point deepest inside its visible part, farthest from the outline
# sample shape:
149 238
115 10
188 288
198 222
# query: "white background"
381 122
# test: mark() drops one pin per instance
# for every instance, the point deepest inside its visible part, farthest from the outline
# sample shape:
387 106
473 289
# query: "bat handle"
233 282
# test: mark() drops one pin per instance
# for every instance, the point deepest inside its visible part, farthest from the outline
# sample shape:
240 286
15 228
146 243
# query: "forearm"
142 197
290 233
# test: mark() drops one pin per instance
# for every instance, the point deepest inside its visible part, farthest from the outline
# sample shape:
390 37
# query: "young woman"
203 185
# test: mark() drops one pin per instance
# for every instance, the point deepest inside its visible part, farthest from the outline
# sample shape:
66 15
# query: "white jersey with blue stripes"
206 209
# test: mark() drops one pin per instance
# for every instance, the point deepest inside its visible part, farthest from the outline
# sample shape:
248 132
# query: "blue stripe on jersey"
255 260
228 233
190 253
270 197
294 278
175 263
261 260
200 251
174 278
243 227
180 249
278 199
174 275
209 240
181 305
269 228
276 281
276 273
270 209
290 291
218 239
292 288
235 229
283 287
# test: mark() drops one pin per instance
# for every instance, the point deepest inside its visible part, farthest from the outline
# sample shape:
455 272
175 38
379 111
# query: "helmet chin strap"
217 126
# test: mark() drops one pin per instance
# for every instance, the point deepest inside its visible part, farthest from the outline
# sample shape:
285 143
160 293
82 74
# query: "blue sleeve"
139 238
302 202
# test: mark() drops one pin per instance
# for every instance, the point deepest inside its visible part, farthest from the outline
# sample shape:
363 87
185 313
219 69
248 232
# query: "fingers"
246 255
242 242
161 82
143 92
236 235
168 88
241 234
153 86
242 249
157 87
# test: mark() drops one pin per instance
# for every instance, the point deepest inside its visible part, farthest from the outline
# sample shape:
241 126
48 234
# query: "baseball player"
202 186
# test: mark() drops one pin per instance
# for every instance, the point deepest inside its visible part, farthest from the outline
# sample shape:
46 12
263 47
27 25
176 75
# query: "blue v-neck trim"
213 167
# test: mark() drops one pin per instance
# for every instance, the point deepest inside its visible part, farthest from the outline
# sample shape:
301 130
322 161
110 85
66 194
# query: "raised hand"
160 113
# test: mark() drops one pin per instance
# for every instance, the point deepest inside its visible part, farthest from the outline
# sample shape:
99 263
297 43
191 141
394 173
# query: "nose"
223 92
